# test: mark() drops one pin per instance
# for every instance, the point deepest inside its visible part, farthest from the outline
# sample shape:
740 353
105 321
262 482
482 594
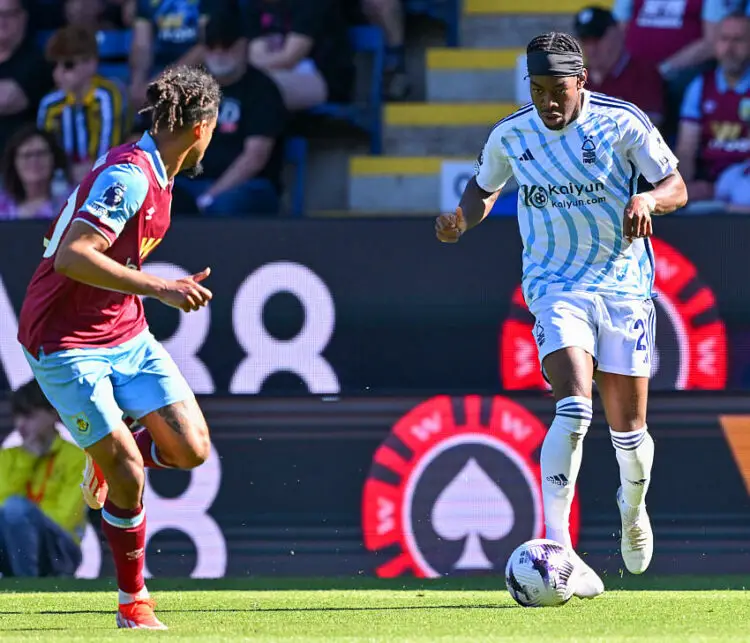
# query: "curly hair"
12 183
181 97
555 42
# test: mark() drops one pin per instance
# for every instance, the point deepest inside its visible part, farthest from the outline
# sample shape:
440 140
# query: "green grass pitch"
678 609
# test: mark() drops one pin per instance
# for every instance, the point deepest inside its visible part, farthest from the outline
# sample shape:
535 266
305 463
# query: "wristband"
650 200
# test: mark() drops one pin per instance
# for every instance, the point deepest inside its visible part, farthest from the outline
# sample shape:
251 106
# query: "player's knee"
628 422
195 451
570 372
570 384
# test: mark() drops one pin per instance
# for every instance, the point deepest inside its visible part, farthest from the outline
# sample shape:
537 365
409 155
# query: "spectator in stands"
304 46
675 35
35 180
42 514
244 162
389 15
122 12
24 76
86 112
733 188
165 32
96 15
715 121
48 15
612 70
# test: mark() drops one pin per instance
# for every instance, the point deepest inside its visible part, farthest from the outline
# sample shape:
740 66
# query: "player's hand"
450 227
187 293
637 220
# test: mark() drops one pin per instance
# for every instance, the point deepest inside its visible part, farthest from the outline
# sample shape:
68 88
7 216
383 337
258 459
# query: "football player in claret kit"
85 336
588 271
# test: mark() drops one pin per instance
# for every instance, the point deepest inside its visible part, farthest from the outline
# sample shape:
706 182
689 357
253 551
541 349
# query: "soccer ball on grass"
538 573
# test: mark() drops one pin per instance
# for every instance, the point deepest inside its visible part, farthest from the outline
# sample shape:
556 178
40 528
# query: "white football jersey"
574 184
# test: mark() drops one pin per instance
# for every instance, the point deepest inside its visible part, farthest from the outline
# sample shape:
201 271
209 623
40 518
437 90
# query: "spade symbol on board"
472 506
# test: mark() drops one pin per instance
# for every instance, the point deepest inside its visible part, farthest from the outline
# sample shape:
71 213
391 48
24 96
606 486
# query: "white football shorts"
618 333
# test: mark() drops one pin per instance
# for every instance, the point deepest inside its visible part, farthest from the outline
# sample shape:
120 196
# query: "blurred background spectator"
304 47
612 69
24 76
733 188
165 32
86 112
48 15
244 163
677 36
92 14
42 514
715 120
389 16
35 178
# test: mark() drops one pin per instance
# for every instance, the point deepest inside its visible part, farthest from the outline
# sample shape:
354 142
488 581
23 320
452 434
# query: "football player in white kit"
588 271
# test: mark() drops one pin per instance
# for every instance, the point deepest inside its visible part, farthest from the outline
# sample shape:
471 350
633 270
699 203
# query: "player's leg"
124 524
151 389
77 383
626 346
570 372
566 341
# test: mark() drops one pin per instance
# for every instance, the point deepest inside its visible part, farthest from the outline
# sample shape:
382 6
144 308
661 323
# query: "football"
537 574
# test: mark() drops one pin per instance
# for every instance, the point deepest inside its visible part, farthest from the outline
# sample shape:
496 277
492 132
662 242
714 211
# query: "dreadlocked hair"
181 97
555 42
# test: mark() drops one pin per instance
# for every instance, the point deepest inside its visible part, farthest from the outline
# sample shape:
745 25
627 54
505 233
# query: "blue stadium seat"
368 116
447 11
114 44
295 153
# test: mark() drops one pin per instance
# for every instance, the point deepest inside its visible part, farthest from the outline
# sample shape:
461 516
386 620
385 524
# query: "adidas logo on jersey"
558 480
526 156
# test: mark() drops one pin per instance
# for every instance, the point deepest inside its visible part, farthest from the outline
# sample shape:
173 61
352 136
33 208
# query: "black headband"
543 63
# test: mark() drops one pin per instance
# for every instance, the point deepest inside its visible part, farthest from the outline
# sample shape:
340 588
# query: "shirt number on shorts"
641 344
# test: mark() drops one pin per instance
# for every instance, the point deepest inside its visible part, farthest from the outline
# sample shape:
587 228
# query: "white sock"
635 455
562 452
125 598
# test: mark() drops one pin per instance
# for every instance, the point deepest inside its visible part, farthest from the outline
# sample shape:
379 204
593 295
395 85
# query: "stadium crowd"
688 67
61 105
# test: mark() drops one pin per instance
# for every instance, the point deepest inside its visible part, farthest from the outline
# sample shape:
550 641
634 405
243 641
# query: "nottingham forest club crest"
588 151
455 488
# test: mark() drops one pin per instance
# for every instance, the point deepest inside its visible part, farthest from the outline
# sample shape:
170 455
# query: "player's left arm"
658 164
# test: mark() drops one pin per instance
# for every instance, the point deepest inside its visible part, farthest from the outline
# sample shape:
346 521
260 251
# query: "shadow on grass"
255 610
46 629
484 583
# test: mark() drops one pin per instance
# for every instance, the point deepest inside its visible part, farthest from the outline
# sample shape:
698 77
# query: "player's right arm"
492 172
80 252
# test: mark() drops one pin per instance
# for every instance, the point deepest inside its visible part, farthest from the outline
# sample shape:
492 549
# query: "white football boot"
586 581
637 542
